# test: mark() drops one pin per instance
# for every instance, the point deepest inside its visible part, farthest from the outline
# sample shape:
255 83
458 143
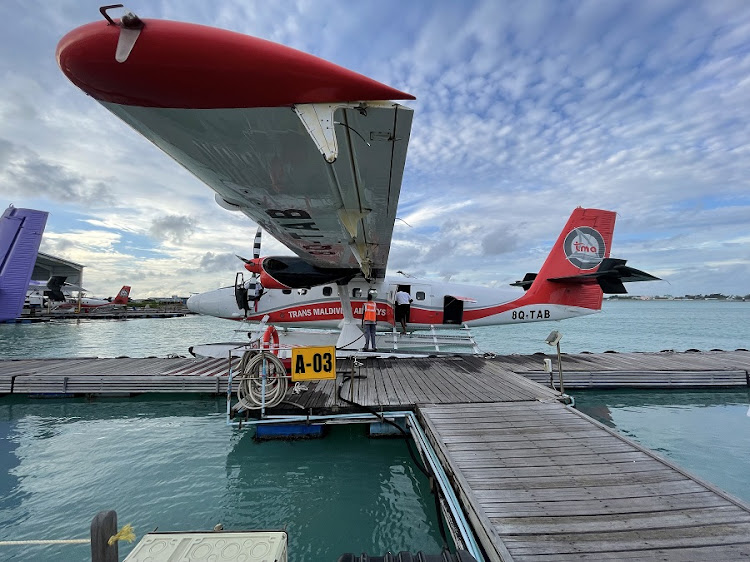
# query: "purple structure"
20 234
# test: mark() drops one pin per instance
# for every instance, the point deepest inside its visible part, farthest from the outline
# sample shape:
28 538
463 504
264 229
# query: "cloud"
525 110
27 174
500 241
175 228
218 262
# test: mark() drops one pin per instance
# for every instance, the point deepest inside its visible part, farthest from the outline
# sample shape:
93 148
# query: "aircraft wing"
310 151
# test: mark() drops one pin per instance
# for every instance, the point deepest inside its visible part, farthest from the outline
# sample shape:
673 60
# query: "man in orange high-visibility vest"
369 322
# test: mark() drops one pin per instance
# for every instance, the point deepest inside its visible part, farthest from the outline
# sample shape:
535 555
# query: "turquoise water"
706 432
632 326
621 326
172 463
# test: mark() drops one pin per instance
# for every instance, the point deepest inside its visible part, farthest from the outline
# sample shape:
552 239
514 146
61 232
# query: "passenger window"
420 295
356 292
286 291
327 291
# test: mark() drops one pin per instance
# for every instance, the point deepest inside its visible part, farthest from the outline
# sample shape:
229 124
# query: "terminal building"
48 266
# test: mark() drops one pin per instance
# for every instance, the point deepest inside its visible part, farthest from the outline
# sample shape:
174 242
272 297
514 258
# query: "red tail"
583 244
122 297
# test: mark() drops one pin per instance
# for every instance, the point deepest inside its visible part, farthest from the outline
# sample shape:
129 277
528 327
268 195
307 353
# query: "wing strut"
351 334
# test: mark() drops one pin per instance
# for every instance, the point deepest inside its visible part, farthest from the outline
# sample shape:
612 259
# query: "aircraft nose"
193 303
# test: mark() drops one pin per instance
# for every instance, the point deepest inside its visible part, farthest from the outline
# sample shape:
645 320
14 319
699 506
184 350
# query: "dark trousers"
370 336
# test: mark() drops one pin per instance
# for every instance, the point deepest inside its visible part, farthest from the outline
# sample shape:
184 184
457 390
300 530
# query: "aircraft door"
453 310
240 292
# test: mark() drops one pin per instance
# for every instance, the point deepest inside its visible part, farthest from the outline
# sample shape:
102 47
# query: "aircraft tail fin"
566 276
122 296
55 286
20 235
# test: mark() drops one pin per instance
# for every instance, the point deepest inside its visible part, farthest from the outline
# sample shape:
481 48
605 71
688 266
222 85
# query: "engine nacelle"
290 272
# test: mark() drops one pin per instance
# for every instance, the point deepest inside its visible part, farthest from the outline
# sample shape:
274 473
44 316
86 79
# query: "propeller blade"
243 259
256 244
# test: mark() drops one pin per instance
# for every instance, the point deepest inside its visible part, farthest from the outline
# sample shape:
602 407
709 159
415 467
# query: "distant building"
48 266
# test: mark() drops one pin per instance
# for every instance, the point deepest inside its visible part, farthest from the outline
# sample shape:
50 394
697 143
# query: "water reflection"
173 463
343 493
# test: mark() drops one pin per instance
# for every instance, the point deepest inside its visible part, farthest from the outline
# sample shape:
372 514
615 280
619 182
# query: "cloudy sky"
524 111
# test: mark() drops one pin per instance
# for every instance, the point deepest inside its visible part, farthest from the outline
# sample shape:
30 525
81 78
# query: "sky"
524 111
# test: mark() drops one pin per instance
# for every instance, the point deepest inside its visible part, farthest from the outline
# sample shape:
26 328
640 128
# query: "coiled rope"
252 367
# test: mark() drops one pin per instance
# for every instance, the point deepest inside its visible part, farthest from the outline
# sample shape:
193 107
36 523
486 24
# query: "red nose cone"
188 66
255 265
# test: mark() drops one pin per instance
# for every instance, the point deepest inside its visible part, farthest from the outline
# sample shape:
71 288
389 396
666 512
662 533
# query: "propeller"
256 248
254 288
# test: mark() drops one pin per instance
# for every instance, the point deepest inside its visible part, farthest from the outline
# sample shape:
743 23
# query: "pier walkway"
537 479
392 382
541 481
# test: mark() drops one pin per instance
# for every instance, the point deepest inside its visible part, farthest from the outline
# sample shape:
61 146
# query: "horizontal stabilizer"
54 288
610 276
528 279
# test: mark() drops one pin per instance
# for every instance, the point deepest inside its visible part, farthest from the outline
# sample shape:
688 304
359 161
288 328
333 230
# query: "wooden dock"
665 369
541 481
391 382
97 315
537 479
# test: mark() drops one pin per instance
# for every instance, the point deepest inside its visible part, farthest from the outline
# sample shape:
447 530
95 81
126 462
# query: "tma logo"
584 247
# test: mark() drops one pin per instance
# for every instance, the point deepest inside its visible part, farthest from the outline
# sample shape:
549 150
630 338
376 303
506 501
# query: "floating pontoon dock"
537 479
399 382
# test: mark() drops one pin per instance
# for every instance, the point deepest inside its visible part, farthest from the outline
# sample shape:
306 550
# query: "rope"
59 541
125 534
250 388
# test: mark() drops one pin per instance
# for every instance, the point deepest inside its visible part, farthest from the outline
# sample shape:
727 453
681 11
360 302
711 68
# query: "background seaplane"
314 154
89 304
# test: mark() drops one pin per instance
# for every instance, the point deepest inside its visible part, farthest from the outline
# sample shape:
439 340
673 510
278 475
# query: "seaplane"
90 304
314 154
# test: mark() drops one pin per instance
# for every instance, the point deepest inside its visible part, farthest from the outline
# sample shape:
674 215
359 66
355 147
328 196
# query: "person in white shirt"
403 305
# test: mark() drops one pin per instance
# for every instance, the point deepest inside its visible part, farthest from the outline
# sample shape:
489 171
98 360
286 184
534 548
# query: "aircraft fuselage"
437 304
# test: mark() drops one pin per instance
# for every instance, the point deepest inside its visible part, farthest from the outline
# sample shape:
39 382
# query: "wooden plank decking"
638 370
389 382
541 481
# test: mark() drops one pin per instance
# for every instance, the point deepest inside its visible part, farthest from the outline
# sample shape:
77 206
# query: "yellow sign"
313 363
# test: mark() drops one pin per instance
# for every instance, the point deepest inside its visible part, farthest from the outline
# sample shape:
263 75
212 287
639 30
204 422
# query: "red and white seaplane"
314 154
90 304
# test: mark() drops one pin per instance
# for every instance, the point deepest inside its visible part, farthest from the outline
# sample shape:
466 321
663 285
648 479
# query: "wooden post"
103 526
559 368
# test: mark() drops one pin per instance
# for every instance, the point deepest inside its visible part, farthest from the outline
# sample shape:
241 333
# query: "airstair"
440 340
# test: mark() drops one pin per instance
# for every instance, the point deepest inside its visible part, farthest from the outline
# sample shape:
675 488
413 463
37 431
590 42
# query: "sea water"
172 463
706 432
622 325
